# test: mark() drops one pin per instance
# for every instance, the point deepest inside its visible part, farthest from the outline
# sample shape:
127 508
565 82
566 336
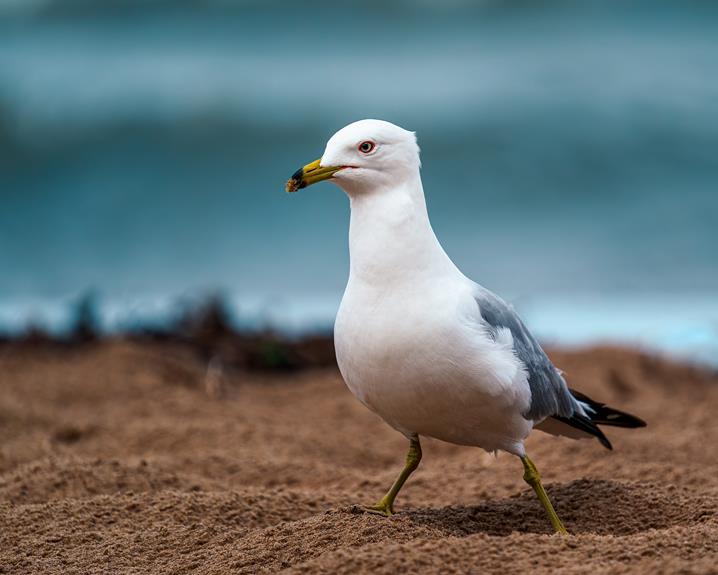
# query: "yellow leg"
385 506
532 477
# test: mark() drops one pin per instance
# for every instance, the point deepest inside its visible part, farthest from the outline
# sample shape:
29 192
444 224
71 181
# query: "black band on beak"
310 174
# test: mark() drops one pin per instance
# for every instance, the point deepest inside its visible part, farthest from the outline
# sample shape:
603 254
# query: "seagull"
417 342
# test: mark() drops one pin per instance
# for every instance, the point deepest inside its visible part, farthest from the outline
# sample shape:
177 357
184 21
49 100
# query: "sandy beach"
120 457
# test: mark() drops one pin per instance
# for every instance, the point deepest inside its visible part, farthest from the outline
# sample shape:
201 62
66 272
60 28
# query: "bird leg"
385 506
532 477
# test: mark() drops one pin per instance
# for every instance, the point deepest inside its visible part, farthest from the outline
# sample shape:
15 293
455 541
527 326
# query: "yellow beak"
310 174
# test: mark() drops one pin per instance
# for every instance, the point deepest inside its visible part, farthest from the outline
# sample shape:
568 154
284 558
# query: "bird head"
363 157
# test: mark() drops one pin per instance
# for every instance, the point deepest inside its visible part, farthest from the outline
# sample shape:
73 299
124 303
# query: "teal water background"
570 154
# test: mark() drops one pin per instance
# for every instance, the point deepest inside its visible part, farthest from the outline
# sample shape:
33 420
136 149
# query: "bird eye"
367 147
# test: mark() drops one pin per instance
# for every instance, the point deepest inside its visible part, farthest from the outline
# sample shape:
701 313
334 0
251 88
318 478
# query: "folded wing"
554 407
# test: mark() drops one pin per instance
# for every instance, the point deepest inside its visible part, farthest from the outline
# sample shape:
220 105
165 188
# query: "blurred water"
569 147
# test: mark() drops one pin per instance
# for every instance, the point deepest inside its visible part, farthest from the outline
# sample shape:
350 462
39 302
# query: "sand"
121 457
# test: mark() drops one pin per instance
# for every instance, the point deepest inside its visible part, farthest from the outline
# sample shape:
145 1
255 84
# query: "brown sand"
128 458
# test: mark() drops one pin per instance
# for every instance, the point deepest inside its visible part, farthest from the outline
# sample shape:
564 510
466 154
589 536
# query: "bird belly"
433 374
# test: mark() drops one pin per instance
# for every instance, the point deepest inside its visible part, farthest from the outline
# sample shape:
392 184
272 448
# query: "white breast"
418 355
409 339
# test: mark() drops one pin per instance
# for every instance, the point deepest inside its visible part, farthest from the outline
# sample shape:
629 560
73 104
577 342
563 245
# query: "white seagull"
417 342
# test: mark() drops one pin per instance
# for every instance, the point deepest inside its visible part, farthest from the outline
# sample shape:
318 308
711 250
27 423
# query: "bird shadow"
585 506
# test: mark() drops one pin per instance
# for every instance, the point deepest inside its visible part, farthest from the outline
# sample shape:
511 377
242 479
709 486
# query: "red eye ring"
366 147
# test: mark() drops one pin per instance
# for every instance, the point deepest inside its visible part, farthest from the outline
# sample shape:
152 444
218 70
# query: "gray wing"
549 393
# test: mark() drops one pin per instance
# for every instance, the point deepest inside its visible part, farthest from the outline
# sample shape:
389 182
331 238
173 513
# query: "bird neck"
390 236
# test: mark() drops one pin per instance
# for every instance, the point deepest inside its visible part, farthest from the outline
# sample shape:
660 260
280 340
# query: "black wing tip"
604 441
621 419
605 415
587 426
599 414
